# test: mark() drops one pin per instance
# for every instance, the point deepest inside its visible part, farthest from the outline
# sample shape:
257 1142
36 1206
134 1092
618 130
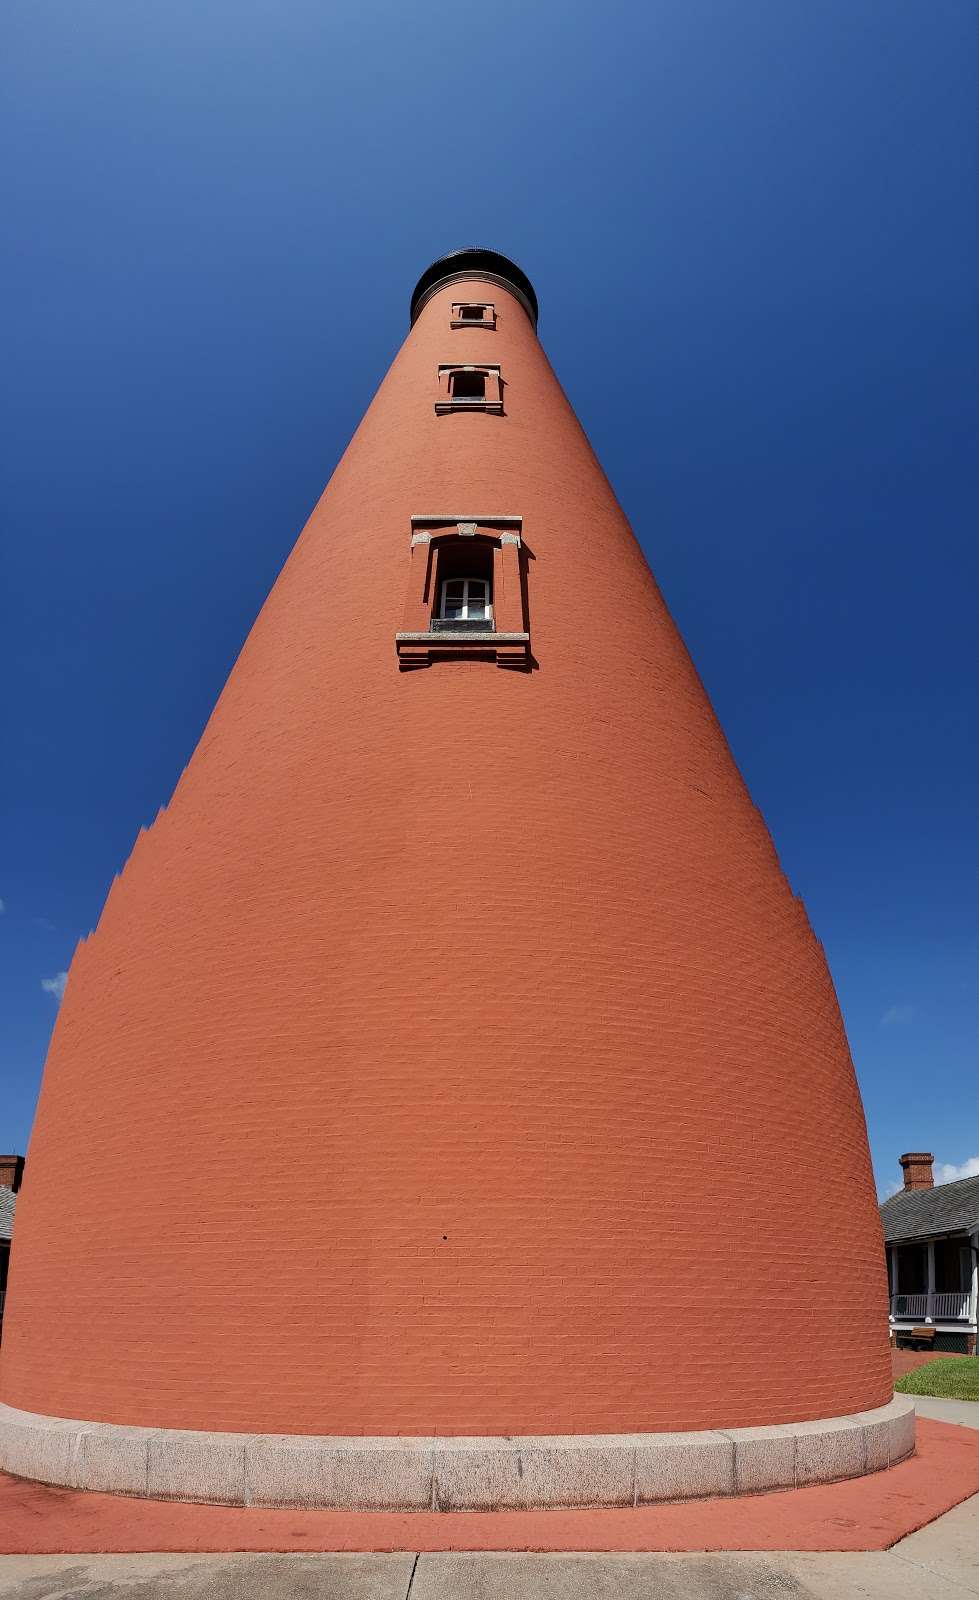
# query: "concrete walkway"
941 1562
963 1412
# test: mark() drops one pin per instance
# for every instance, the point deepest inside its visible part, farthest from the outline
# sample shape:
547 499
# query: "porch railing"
931 1307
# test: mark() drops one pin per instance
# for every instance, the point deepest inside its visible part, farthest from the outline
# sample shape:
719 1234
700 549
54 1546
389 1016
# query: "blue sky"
752 227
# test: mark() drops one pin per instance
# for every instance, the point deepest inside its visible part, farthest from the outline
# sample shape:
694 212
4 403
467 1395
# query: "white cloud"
945 1172
897 1017
55 985
2 908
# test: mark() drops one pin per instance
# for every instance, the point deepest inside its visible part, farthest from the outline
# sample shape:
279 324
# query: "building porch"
934 1286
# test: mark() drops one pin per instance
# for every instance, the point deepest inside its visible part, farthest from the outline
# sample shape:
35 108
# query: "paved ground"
964 1412
939 1563
868 1513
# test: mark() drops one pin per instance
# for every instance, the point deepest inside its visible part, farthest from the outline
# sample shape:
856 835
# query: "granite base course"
450 1474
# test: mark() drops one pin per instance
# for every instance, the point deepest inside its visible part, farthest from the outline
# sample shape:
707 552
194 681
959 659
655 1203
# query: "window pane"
452 608
476 606
454 588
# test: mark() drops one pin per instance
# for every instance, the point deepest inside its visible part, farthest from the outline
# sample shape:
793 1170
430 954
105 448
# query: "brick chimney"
11 1171
917 1170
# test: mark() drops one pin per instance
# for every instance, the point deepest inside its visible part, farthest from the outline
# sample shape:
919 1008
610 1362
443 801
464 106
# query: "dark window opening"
912 1269
469 386
465 589
471 313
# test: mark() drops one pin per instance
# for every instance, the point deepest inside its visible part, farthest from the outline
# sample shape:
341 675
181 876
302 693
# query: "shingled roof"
922 1213
8 1203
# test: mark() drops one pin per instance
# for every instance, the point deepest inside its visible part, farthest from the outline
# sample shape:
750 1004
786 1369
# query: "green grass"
953 1379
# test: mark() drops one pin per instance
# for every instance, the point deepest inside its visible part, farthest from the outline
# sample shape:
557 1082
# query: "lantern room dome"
475 263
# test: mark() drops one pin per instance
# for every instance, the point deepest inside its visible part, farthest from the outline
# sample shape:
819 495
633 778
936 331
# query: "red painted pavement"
862 1514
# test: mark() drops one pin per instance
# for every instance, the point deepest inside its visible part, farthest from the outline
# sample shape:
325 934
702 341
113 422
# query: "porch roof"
923 1213
8 1203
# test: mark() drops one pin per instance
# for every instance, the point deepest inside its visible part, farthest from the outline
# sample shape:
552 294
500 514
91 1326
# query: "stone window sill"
495 407
421 649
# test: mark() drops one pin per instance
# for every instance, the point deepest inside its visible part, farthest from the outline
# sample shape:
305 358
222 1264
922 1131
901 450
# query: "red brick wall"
508 1080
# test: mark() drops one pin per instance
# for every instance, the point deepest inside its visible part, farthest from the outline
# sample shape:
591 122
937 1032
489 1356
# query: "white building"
932 1239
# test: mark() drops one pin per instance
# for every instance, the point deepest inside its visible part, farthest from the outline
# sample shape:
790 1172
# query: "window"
467 596
469 388
469 314
468 385
466 600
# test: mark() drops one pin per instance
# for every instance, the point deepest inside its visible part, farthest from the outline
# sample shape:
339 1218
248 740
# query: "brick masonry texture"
452 1055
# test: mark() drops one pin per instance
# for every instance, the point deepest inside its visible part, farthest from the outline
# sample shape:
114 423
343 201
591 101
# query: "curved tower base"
450 1474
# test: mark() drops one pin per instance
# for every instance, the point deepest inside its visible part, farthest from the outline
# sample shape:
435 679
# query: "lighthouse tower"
452 1105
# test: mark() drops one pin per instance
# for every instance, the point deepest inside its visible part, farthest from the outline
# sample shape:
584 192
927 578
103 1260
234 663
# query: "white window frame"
467 584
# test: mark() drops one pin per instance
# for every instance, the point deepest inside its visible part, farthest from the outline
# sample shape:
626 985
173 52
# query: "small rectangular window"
469 388
470 314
